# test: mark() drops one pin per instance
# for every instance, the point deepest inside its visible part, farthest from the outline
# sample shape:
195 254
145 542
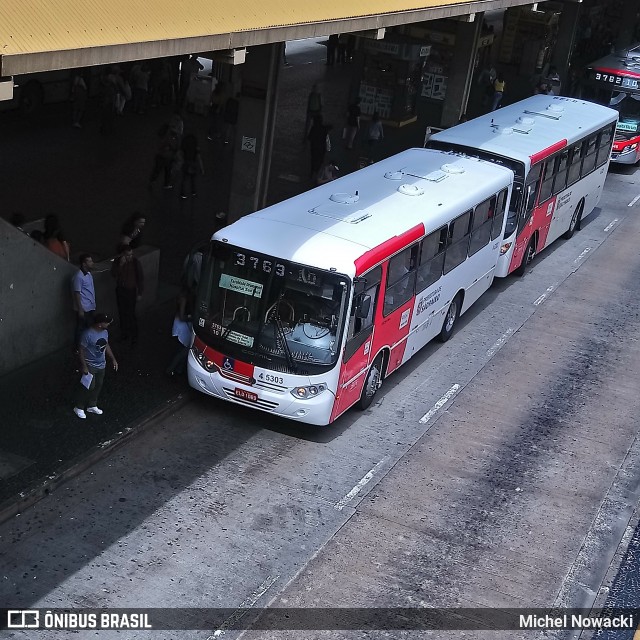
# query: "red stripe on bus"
388 248
617 72
545 153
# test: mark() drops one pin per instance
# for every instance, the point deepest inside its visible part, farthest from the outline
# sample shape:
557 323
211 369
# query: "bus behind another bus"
558 149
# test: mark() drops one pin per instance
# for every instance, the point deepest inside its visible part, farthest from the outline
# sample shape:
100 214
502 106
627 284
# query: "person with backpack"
166 155
314 108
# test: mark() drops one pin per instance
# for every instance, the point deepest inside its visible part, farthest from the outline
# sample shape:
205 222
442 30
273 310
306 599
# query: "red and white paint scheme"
558 149
306 306
616 78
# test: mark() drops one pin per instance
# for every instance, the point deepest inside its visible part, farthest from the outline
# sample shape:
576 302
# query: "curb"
40 489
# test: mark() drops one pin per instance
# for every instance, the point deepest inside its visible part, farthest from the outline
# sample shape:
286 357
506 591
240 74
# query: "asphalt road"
497 470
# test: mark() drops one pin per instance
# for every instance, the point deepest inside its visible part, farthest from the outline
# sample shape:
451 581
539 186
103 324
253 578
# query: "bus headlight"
204 362
633 146
505 247
302 393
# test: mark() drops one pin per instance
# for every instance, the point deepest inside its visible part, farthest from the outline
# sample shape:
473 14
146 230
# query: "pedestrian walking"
191 165
189 69
374 137
332 49
166 155
327 173
182 331
129 276
131 232
314 108
93 353
498 87
84 296
353 123
553 81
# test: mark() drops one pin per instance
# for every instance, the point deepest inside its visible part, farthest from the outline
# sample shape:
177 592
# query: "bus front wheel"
576 220
371 384
453 312
527 257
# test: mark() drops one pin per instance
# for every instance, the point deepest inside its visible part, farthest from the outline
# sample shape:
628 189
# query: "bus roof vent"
394 175
410 190
452 168
504 131
555 108
344 198
526 120
435 176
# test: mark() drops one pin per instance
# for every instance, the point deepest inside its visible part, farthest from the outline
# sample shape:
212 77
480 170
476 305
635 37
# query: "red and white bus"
558 149
615 80
305 307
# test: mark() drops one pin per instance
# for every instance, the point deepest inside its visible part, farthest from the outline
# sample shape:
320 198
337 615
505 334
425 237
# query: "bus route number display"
259 264
616 80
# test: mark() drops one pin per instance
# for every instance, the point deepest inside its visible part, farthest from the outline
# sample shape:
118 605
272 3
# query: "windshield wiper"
285 345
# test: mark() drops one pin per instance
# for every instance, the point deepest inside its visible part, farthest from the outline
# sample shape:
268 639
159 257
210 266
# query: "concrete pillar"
253 140
461 71
565 42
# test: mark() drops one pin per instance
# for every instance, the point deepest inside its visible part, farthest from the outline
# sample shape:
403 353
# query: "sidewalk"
42 437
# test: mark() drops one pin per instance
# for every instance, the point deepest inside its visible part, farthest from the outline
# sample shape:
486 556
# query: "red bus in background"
615 81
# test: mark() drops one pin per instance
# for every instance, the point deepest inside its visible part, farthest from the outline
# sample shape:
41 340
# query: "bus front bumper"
315 410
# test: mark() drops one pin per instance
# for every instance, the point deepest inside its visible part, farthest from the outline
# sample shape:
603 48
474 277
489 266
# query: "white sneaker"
80 413
95 410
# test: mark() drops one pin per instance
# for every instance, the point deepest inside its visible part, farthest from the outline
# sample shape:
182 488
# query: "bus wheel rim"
451 315
372 382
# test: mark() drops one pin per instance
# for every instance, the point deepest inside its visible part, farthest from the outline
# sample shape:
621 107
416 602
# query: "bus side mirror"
363 306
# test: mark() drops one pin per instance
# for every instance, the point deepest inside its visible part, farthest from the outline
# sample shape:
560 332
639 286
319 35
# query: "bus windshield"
275 313
628 106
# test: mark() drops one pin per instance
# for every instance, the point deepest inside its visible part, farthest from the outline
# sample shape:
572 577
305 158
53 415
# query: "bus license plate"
245 395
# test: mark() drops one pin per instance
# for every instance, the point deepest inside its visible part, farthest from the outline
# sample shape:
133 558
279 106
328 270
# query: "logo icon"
228 363
23 619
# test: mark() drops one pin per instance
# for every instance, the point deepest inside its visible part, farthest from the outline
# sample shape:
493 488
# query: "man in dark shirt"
353 123
127 271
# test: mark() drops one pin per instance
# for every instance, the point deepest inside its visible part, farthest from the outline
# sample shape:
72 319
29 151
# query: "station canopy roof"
44 35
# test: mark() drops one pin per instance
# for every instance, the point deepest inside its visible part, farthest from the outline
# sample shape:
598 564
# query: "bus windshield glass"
274 313
628 106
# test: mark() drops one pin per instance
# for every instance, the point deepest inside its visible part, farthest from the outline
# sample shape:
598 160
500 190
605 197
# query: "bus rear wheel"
576 219
453 313
527 257
371 384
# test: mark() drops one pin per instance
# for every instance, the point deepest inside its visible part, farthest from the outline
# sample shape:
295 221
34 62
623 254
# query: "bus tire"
372 383
31 97
576 219
527 257
450 319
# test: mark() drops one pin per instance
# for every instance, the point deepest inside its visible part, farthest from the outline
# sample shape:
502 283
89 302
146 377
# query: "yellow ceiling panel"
33 26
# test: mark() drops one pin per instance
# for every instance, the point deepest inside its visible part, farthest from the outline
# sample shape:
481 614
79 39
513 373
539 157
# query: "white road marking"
499 342
633 201
611 224
543 297
358 488
244 605
438 405
583 254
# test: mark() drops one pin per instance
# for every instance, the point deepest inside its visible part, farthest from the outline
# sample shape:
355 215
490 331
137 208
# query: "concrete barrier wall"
36 312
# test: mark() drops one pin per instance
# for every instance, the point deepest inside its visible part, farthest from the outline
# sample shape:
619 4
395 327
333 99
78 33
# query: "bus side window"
481 225
590 149
401 279
458 242
431 259
575 161
546 191
498 216
560 179
604 145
